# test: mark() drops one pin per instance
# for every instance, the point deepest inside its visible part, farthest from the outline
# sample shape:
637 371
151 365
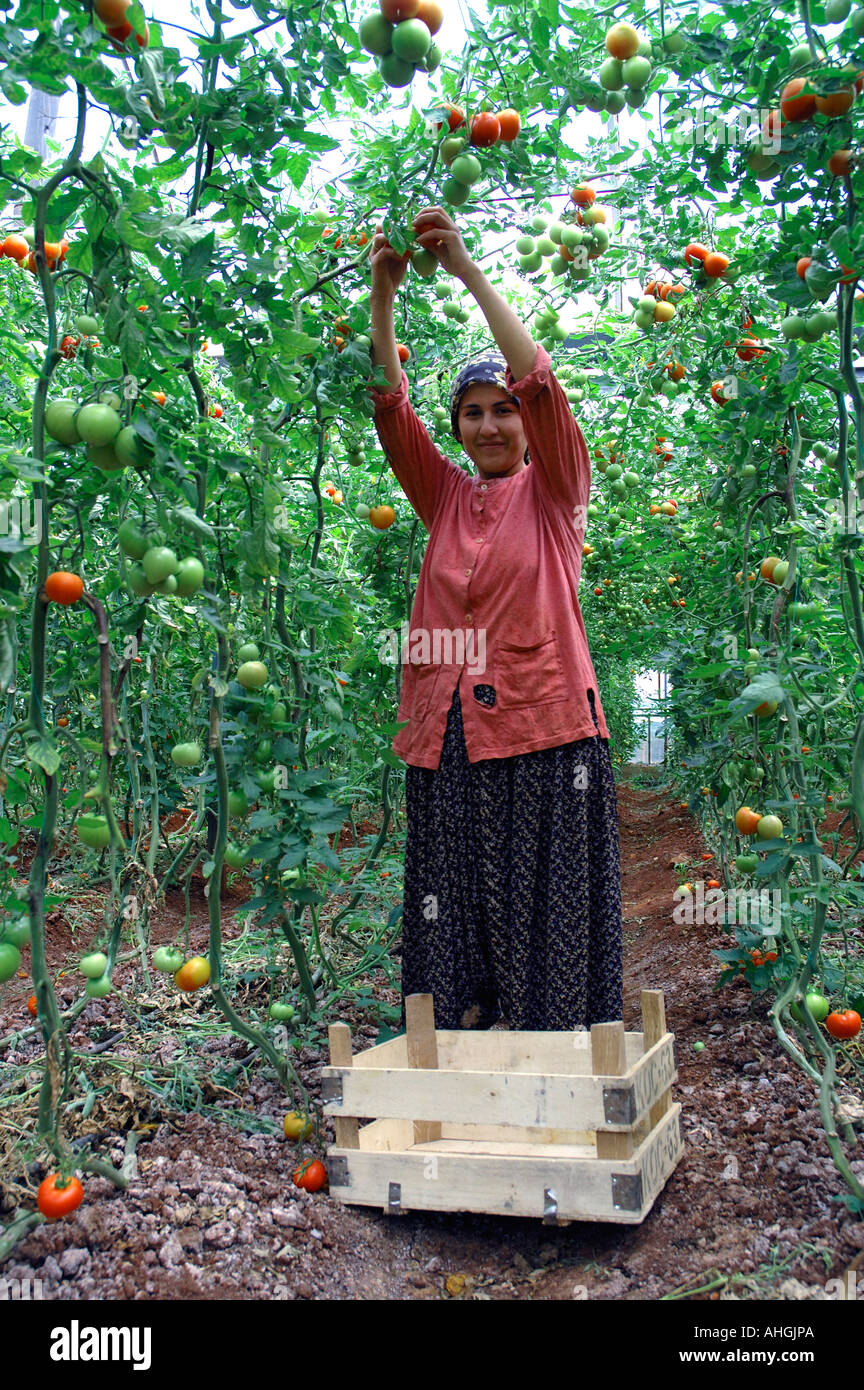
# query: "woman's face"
491 428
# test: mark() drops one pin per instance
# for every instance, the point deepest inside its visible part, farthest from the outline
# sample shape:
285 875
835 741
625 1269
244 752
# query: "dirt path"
747 1214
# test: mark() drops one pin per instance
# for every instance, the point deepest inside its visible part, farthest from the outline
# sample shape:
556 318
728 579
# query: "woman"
512 881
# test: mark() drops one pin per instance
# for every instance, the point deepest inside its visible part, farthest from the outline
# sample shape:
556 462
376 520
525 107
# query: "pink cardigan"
497 598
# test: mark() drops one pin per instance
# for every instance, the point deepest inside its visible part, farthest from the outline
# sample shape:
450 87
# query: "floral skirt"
512 900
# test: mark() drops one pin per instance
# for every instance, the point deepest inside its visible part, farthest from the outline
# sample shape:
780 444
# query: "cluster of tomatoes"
18 247
800 101
486 128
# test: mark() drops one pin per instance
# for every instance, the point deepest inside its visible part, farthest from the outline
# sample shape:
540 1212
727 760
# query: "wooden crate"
575 1126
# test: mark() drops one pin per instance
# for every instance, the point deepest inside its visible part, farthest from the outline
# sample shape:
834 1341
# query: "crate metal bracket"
337 1168
394 1199
627 1191
550 1207
619 1105
331 1089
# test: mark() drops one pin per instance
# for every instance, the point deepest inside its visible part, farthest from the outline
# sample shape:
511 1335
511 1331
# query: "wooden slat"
654 1028
491 1097
437 1178
422 1052
609 1058
339 1038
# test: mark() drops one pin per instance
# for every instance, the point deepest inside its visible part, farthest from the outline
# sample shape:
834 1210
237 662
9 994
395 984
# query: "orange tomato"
382 517
510 124
583 196
695 251
797 104
431 14
15 247
63 587
746 820
403 351
840 163
32 1006
715 263
192 974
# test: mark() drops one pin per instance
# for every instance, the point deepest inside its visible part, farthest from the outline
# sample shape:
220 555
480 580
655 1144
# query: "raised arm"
388 271
435 230
411 453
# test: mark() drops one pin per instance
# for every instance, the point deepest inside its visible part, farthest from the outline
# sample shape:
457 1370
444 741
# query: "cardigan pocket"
528 675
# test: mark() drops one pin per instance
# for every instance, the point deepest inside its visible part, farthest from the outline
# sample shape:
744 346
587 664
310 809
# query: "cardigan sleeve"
420 468
557 445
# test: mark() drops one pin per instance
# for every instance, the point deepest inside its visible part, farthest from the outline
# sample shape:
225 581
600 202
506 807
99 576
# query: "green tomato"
394 71
10 960
97 989
264 750
466 168
769 828
455 192
94 966
238 805
375 35
97 423
248 652
816 1004
235 857
133 541
698 1047
104 457
93 830
252 675
60 422
186 754
424 262
126 446
158 563
17 933
168 960
279 713
411 41
281 1011
189 576
168 585
139 583
266 780
611 75
86 324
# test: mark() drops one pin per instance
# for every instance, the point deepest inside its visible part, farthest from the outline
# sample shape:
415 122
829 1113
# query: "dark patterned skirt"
512 885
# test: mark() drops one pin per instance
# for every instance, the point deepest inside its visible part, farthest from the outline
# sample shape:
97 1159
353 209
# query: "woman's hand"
388 267
438 233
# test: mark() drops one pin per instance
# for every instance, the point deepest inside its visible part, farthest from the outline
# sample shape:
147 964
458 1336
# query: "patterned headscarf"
488 369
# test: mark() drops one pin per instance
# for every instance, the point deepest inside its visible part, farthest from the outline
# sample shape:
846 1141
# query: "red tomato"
54 1200
32 1007
845 1023
312 1175
485 129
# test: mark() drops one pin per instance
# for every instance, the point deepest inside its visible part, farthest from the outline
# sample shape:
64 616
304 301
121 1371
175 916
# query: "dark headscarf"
487 369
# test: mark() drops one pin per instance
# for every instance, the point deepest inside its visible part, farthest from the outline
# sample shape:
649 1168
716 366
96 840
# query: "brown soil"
212 1212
